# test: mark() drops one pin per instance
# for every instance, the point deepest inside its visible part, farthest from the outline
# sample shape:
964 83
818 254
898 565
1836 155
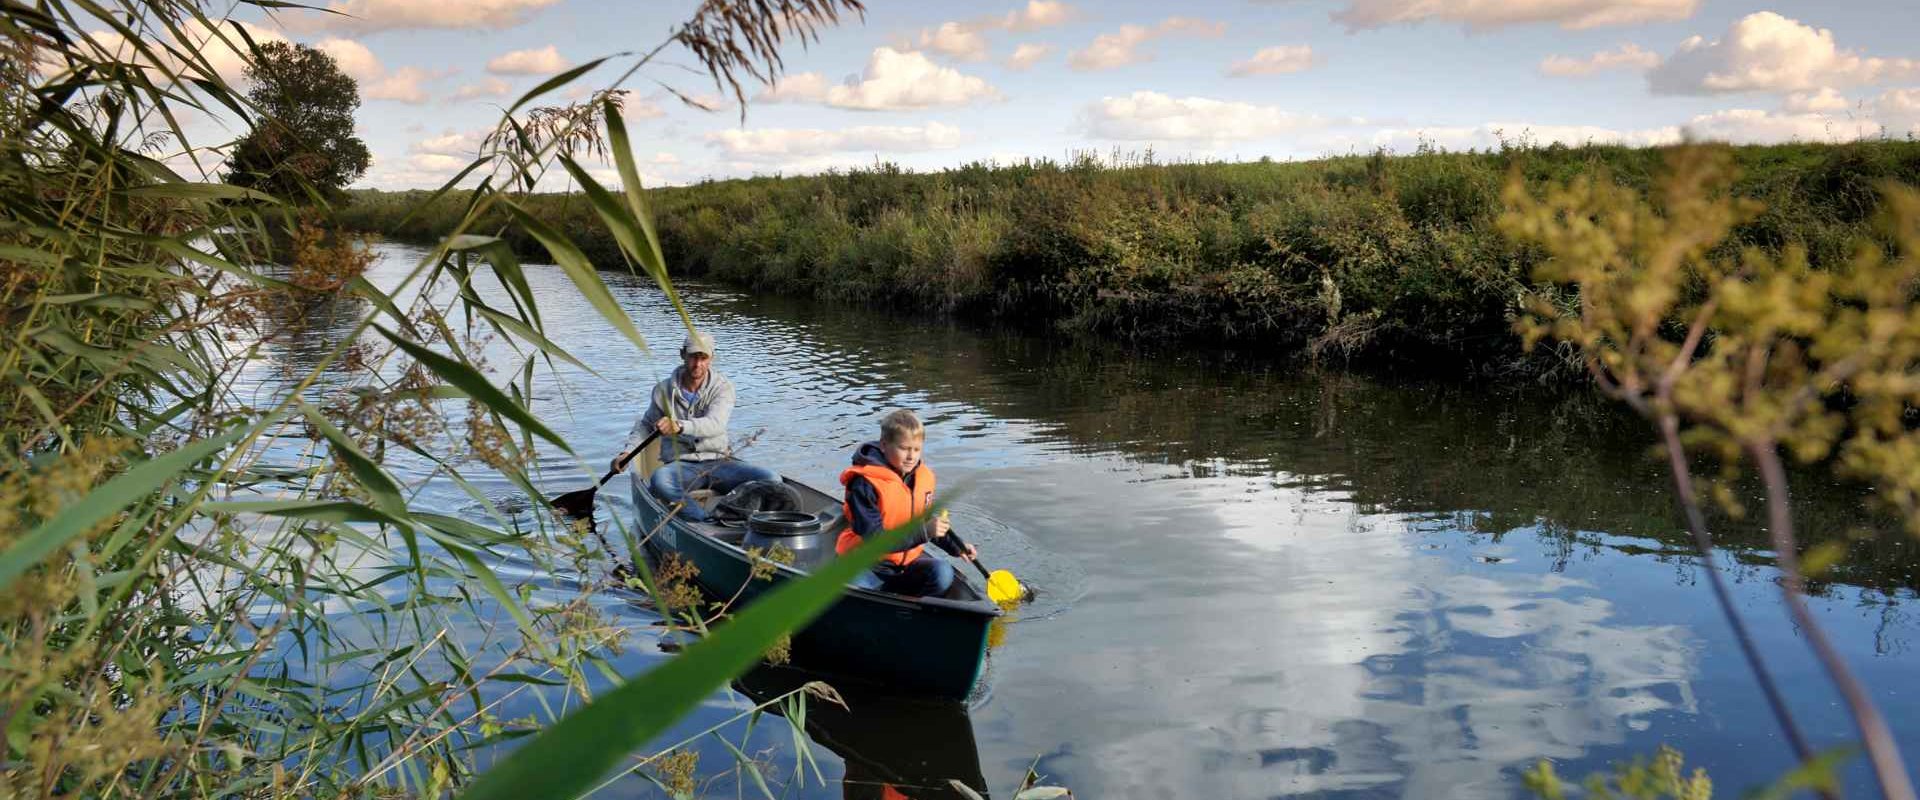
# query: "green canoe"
930 646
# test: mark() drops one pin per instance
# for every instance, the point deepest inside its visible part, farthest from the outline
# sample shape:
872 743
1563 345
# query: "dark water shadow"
892 746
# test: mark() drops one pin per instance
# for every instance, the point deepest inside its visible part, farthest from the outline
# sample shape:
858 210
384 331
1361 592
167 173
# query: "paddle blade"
1004 589
577 503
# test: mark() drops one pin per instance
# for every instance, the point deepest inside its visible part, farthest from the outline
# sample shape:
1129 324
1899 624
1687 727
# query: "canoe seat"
732 536
833 521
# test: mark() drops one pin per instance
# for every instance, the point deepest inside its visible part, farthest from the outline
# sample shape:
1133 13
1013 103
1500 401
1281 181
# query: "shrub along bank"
1378 258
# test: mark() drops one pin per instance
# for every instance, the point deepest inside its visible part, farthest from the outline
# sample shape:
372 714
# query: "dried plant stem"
1669 426
1882 751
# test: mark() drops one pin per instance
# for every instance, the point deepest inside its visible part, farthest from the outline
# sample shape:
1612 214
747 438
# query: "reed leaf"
476 386
110 498
566 759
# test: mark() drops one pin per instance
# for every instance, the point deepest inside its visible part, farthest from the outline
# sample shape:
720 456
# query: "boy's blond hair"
899 425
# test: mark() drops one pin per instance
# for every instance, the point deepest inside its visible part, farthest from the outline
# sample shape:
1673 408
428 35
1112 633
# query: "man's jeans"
926 576
672 481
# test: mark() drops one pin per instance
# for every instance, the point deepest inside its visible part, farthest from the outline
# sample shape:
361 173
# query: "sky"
929 86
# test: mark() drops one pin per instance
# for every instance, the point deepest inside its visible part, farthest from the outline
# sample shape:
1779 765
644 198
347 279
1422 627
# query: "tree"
1746 356
302 144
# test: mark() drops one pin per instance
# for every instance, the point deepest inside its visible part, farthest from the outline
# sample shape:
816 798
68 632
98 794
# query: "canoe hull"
929 646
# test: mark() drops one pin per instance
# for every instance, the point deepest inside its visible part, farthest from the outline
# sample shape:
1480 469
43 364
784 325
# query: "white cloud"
1752 126
1039 14
967 40
1190 26
543 61
354 58
893 80
1111 50
369 16
1626 56
1738 126
1026 55
1490 14
1899 110
487 87
955 40
1815 102
384 176
641 108
437 162
1122 47
664 157
459 145
222 51
782 143
221 48
402 85
1768 52
376 83
1155 116
1275 61
802 87
1493 134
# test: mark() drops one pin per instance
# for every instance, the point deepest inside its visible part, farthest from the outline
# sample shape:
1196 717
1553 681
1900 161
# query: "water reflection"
893 747
1261 583
1284 643
1511 456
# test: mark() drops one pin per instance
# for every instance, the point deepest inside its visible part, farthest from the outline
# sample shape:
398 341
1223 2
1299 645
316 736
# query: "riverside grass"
1380 258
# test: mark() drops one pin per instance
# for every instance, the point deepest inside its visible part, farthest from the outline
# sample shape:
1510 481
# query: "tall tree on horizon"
302 145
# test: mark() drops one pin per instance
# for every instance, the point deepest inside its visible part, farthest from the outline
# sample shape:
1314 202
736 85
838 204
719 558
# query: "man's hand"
667 426
615 463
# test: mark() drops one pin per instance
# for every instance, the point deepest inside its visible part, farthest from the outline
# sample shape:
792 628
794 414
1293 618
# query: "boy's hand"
970 554
940 525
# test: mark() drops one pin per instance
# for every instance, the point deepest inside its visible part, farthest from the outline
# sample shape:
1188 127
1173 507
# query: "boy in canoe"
889 484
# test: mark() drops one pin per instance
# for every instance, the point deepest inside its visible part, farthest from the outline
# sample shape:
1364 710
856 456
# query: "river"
1256 580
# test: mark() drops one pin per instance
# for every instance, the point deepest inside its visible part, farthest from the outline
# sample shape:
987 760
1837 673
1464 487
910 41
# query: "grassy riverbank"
1375 258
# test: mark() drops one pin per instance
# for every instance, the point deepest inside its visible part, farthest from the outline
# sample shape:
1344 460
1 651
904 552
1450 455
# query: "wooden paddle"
1002 587
579 502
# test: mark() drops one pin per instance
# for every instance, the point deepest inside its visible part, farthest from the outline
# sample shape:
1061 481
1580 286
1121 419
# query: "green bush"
1376 257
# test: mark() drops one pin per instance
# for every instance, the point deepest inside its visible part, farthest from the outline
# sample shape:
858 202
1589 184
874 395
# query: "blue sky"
930 85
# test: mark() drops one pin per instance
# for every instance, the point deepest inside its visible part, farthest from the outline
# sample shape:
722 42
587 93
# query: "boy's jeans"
927 576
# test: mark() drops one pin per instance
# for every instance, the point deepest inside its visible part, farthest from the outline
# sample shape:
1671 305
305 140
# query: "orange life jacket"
897 505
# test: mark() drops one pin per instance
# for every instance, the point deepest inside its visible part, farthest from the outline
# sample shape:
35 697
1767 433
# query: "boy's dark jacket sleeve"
863 505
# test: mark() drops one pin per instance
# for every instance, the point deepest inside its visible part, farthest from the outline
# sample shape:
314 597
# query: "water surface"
1258 581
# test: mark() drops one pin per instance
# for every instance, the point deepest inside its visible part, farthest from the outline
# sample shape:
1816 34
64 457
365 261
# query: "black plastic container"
798 531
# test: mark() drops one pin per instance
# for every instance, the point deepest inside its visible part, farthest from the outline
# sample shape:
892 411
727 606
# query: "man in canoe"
690 410
889 484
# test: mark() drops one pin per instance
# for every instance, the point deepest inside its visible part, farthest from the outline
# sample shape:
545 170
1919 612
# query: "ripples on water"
1255 583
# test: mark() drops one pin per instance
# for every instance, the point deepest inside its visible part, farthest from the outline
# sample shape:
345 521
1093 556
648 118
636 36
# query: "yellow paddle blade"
1003 588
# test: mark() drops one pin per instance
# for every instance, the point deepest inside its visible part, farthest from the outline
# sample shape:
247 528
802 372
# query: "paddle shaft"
975 561
627 458
579 502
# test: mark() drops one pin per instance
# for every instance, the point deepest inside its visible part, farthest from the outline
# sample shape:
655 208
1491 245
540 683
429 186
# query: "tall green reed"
204 593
